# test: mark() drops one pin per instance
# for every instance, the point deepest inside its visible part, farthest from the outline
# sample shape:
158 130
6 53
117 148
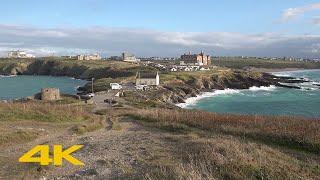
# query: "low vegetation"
72 68
239 63
214 146
291 132
18 136
44 112
21 122
87 126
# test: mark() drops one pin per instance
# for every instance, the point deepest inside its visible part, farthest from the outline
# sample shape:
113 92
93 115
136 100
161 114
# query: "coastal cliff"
176 89
76 69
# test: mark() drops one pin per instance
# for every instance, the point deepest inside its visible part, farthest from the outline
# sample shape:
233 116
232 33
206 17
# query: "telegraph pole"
92 85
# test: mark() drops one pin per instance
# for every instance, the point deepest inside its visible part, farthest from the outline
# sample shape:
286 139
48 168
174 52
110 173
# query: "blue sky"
272 19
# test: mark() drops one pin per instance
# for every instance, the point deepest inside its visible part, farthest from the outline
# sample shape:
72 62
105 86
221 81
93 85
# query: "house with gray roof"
150 79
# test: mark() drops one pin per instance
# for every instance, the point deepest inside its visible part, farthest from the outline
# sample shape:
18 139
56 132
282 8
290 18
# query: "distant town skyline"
161 28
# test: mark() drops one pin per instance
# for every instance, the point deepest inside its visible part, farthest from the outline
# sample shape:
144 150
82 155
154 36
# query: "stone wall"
50 94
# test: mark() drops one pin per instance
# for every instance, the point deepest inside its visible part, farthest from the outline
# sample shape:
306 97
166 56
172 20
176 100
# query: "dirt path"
126 152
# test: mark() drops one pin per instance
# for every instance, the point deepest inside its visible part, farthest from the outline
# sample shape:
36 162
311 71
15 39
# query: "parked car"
87 96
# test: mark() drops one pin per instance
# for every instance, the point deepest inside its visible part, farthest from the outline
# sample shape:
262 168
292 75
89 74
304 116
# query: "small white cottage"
150 79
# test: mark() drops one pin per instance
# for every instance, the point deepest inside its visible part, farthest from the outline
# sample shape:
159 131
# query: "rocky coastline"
178 93
171 93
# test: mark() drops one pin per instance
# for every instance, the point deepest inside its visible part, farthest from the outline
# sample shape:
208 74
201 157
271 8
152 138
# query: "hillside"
152 143
71 68
239 63
145 136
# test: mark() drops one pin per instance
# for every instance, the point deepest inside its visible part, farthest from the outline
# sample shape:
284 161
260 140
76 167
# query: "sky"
162 27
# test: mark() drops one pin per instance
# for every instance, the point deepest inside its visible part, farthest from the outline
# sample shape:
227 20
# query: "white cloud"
316 20
144 42
293 13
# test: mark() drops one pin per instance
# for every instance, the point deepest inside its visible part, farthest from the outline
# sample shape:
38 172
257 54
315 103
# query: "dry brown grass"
46 112
21 122
230 158
292 132
213 146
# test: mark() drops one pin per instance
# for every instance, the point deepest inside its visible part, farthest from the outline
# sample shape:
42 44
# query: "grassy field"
16 119
238 63
237 147
189 144
72 68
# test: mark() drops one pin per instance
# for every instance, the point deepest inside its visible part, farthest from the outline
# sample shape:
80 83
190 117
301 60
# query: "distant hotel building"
129 58
19 54
196 59
89 57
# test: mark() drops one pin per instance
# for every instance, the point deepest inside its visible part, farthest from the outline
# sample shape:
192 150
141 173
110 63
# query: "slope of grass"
19 136
45 112
291 132
213 146
238 63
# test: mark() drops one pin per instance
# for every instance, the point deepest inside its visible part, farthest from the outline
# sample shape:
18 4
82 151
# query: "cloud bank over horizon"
147 42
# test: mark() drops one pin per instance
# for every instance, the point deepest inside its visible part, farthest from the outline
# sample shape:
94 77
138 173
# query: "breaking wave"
194 100
7 76
263 88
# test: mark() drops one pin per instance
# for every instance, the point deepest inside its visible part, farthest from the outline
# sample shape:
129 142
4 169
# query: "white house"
204 69
115 86
187 69
150 79
173 69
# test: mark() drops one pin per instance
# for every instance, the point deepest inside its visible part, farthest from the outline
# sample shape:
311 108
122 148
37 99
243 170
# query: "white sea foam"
194 100
7 76
263 88
281 74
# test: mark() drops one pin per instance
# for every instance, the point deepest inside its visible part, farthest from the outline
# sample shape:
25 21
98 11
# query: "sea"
16 87
304 102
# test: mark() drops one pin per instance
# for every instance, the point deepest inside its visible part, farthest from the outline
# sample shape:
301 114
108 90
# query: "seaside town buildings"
127 57
19 54
89 57
196 59
150 79
84 57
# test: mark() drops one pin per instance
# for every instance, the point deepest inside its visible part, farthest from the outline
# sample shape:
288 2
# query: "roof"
144 75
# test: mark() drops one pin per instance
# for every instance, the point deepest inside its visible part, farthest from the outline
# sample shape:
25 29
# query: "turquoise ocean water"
265 100
14 87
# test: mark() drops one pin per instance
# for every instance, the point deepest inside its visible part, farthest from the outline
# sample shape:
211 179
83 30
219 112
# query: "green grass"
238 63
